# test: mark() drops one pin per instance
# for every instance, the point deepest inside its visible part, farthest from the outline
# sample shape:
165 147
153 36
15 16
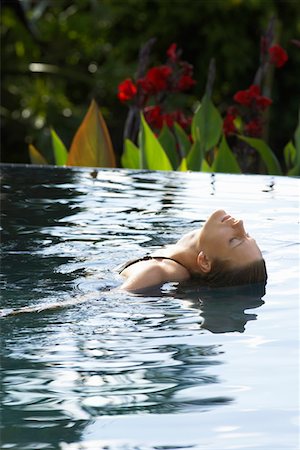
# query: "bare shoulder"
146 274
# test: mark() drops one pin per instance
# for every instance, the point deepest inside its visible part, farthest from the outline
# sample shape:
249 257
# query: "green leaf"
295 171
167 140
289 153
183 166
131 155
205 167
225 161
297 136
266 154
195 156
210 123
152 154
182 140
91 146
35 156
60 151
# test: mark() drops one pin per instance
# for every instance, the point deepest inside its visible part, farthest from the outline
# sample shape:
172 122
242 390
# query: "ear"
204 263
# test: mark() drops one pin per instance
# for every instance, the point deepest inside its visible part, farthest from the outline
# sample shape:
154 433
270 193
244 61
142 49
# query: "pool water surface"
85 366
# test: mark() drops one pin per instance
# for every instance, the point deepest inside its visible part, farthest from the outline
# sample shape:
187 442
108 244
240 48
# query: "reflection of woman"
219 254
224 310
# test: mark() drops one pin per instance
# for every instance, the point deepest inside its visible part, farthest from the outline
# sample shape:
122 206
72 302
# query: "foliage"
292 153
152 155
90 147
205 149
209 150
201 156
88 150
58 55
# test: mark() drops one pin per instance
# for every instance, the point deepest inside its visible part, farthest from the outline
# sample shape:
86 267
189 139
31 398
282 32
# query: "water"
87 367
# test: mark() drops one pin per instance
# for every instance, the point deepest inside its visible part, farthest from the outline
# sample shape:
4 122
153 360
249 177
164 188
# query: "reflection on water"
86 366
226 309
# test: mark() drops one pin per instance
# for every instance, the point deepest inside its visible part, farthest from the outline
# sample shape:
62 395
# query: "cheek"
216 234
217 245
213 238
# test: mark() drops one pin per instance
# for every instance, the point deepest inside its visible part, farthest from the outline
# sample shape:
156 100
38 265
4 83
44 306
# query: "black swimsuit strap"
145 258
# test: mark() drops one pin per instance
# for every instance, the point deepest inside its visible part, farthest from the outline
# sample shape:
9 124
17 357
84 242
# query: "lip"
226 217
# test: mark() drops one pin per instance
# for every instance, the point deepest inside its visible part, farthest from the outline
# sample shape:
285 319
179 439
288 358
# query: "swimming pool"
183 368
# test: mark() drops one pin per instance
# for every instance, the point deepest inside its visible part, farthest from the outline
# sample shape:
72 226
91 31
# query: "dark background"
57 55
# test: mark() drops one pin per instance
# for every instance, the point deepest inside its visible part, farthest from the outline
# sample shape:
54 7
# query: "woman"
219 254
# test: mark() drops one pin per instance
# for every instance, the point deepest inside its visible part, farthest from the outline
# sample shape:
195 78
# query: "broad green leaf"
205 167
167 141
225 161
182 140
289 153
195 157
131 155
92 145
195 123
210 123
266 154
183 166
295 171
60 151
35 156
297 136
153 156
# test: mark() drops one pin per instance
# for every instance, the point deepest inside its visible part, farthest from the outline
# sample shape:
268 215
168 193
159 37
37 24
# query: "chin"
217 215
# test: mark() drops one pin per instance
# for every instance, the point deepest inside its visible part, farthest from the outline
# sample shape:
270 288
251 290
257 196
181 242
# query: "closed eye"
237 238
233 239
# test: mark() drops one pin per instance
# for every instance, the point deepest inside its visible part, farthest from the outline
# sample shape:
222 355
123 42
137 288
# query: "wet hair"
221 275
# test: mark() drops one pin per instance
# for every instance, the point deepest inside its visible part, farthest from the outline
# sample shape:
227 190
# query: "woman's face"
224 237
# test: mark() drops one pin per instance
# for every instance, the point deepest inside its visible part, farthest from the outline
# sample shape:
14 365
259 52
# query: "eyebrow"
244 240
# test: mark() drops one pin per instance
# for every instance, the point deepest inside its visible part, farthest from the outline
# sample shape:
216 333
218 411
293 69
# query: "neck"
185 251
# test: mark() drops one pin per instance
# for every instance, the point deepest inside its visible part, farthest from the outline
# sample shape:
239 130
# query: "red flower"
172 52
263 102
242 97
126 90
228 124
153 116
247 96
278 56
254 91
168 120
252 98
254 128
156 79
144 86
185 82
159 81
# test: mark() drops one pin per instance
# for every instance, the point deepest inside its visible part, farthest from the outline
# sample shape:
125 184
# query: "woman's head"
227 255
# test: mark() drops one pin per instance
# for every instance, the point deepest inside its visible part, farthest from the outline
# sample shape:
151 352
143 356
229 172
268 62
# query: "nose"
238 225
